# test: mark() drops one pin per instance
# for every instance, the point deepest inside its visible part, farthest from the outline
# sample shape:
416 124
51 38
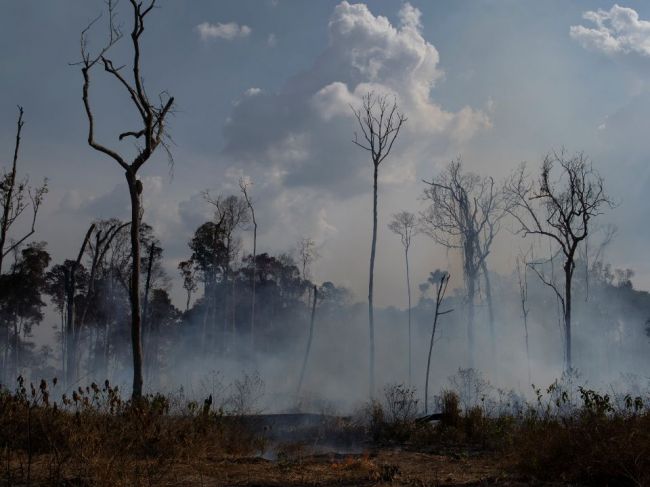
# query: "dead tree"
465 212
441 280
380 123
522 279
151 135
308 254
404 225
309 340
243 186
559 207
16 196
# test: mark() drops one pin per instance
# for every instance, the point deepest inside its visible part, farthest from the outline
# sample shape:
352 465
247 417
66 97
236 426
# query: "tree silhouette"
404 225
559 207
152 133
380 123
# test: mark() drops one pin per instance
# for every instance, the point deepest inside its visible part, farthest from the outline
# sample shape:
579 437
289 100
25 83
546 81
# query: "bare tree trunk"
5 361
134 291
371 317
69 331
16 348
145 305
568 277
527 347
311 334
440 294
149 350
490 306
471 291
233 310
408 290
254 283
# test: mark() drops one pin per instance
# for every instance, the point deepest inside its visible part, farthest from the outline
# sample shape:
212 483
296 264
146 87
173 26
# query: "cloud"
301 135
272 40
229 31
617 30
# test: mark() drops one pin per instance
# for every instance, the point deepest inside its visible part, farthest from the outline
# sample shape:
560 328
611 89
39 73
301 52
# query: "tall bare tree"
16 196
404 224
522 279
465 212
151 135
440 279
243 186
560 206
307 255
380 122
309 339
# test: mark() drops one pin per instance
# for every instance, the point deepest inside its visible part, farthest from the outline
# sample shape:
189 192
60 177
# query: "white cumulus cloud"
303 132
617 30
229 31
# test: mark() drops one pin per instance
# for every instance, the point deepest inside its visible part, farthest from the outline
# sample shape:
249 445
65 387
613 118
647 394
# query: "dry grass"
95 438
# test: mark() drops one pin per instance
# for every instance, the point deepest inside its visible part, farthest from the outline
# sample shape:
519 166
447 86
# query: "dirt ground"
385 467
294 466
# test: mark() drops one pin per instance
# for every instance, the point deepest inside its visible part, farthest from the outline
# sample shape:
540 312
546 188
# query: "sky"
263 90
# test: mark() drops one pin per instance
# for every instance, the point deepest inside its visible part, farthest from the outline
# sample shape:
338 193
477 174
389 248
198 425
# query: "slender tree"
380 122
243 186
440 279
309 340
404 225
522 279
307 255
152 135
560 207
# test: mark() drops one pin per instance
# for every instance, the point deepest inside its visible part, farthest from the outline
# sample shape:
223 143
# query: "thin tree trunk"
426 382
371 317
254 282
233 310
146 325
490 306
5 362
568 275
16 347
311 334
69 329
145 309
408 290
471 290
440 295
525 313
134 291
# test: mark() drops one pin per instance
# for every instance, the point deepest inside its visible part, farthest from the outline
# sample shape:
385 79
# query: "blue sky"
265 95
